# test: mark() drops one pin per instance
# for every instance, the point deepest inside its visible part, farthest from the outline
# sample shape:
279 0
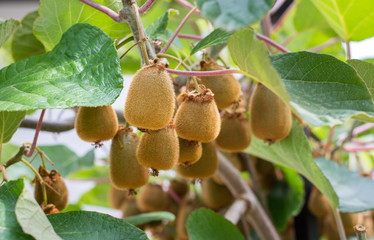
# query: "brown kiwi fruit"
159 149
125 170
130 208
57 193
266 174
179 187
197 118
226 88
184 211
96 124
271 118
189 151
152 198
205 167
150 102
117 197
318 204
234 135
233 158
215 196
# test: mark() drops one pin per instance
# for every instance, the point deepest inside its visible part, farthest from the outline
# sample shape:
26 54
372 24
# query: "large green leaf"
57 17
83 70
294 152
84 225
234 14
323 89
366 71
286 198
9 123
215 38
24 43
203 224
355 193
351 20
7 28
251 56
149 217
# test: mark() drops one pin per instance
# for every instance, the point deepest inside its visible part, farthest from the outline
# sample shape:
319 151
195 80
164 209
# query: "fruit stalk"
37 130
339 223
112 14
146 6
360 232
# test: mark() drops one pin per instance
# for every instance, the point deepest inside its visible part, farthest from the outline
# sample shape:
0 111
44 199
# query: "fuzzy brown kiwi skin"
205 167
150 102
197 118
215 196
184 211
96 124
159 149
189 151
180 187
57 193
271 118
117 197
234 135
124 169
152 198
226 88
318 204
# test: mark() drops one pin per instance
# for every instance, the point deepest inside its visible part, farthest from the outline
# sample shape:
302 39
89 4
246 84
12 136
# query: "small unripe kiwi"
197 118
57 193
318 204
189 151
205 167
226 88
117 197
150 102
234 135
215 195
152 198
159 149
180 187
271 118
96 124
125 170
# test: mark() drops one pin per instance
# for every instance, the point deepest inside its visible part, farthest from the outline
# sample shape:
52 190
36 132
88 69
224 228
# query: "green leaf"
95 172
323 89
7 28
32 218
57 17
205 224
251 56
307 16
84 225
355 193
294 152
9 123
25 44
149 217
234 14
84 64
97 196
215 38
9 227
351 20
366 71
158 27
286 198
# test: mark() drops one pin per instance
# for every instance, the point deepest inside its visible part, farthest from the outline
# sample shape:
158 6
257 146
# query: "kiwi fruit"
150 102
184 211
266 174
234 135
179 187
271 118
57 193
349 221
226 88
197 118
130 208
204 167
117 197
96 124
189 151
152 198
215 196
159 149
124 169
318 204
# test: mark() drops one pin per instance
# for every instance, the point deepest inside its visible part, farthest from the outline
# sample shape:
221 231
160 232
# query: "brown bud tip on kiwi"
180 187
226 88
57 193
150 102
96 124
318 204
271 118
197 118
234 135
125 170
117 197
159 149
204 167
50 209
152 198
189 151
215 195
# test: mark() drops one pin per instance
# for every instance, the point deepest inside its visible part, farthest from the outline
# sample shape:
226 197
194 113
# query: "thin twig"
128 50
324 45
124 41
339 224
142 37
346 139
202 73
112 14
329 140
348 45
188 5
146 6
37 130
192 37
164 55
271 43
266 25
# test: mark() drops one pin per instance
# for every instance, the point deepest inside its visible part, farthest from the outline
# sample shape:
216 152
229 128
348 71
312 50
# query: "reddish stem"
324 45
202 73
193 37
188 5
358 149
112 14
174 196
146 6
329 140
270 42
37 130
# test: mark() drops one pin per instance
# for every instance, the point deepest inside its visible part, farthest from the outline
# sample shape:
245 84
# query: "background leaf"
9 123
149 217
95 172
84 225
234 14
158 27
366 71
7 28
84 64
97 196
215 38
57 17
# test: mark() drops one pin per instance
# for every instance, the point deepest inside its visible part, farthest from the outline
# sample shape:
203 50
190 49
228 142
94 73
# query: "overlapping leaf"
215 38
7 28
366 71
9 123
